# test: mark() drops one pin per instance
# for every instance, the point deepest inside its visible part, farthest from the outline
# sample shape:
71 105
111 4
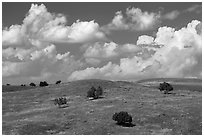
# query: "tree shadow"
170 93
96 98
100 97
126 124
63 106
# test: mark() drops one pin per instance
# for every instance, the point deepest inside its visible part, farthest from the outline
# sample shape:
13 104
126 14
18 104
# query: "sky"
103 40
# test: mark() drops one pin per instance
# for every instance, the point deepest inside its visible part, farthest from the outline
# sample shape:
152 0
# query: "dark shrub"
99 90
58 82
60 101
32 84
42 84
122 118
91 92
166 87
7 84
95 93
23 85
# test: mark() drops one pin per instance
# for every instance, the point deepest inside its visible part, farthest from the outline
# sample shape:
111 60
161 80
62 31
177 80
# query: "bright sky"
114 41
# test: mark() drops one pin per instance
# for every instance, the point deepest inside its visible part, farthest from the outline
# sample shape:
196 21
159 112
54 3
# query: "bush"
60 101
23 85
91 92
122 118
42 84
95 93
7 84
58 82
32 84
166 87
99 90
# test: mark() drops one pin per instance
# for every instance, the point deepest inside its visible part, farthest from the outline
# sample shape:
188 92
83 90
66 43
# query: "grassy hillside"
32 111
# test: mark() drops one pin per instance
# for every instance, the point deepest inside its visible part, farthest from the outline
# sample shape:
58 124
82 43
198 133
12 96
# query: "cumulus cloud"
41 25
135 20
12 35
144 39
28 50
38 64
180 56
99 52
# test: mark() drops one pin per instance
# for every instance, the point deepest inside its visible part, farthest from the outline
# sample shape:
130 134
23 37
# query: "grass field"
32 111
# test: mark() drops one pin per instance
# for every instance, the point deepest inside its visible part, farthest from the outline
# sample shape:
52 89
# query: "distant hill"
170 80
191 84
13 88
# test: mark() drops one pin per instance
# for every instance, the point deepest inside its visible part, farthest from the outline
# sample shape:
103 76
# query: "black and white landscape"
102 68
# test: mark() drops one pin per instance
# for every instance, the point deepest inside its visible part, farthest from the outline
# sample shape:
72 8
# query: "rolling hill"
32 111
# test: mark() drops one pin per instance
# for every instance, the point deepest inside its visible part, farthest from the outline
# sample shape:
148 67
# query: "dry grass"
33 111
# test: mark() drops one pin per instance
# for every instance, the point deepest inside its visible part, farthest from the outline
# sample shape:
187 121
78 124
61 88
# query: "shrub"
32 84
99 90
7 84
95 93
23 85
42 84
122 118
91 92
58 82
166 87
60 101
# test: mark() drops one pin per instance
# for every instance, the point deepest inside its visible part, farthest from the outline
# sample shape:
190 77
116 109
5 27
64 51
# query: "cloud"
41 25
171 15
128 48
99 50
29 53
180 56
38 64
142 20
18 53
175 13
12 35
85 31
195 8
144 39
135 20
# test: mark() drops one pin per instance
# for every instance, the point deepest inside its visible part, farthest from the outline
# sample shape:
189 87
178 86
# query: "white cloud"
99 50
38 64
85 31
41 25
18 53
135 20
130 48
142 20
28 52
180 56
12 35
11 68
118 22
144 39
103 52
